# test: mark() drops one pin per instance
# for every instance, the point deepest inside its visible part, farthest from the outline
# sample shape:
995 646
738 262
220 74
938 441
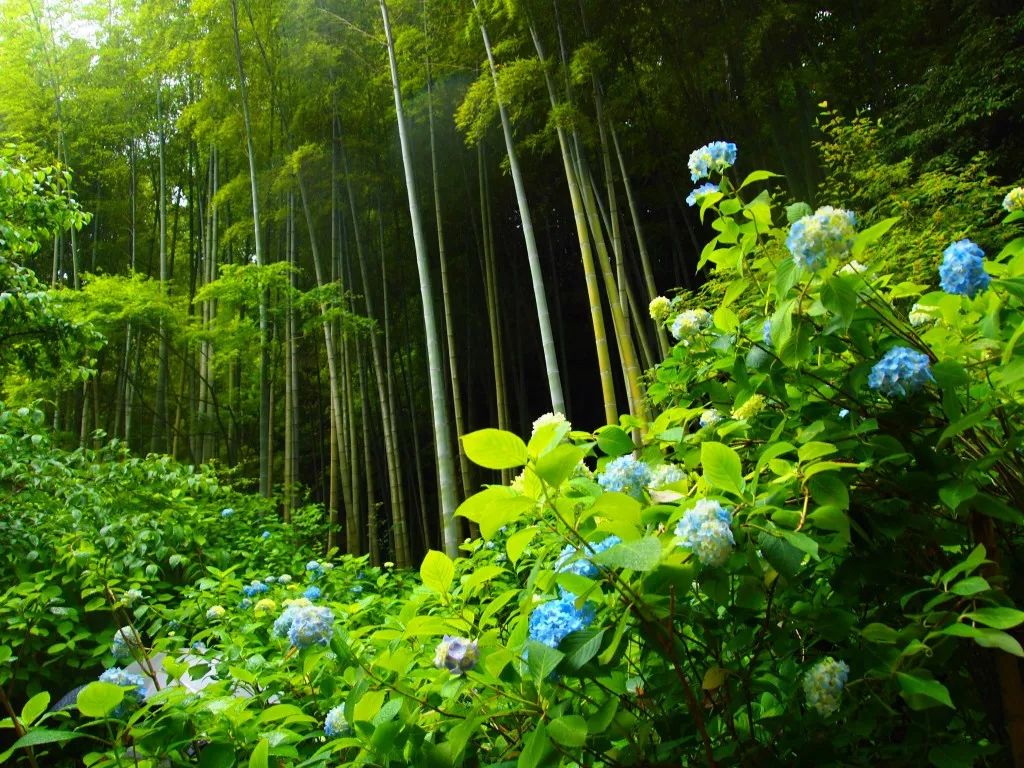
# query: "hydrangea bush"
807 556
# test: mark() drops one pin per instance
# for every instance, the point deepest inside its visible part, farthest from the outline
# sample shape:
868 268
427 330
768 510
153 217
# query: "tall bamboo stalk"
536 274
439 408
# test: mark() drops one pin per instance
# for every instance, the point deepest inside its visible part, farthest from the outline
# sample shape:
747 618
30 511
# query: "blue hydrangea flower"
705 530
690 322
270 579
963 269
715 157
709 418
253 588
844 412
126 640
626 475
823 685
245 602
311 625
314 570
900 372
284 578
227 512
664 474
826 234
550 622
312 593
704 189
356 589
265 535
766 333
125 679
571 560
283 623
215 612
456 654
335 723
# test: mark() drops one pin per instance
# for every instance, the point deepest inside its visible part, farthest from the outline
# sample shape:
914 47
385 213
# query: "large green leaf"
722 467
568 730
932 690
99 699
437 571
638 555
494 449
997 617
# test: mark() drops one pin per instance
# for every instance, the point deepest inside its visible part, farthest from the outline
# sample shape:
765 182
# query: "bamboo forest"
511 383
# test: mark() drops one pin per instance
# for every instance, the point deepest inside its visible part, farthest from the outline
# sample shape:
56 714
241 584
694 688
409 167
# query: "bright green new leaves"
99 699
437 571
495 449
722 467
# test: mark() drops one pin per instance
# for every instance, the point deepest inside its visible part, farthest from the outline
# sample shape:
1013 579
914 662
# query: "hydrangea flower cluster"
705 530
270 579
702 191
709 418
311 625
766 332
569 562
266 605
215 612
548 418
823 685
664 474
283 623
690 322
750 408
963 269
659 309
126 639
335 723
827 233
312 593
253 588
131 596
456 654
284 578
126 679
314 570
715 157
626 474
1014 200
227 512
265 535
550 622
900 372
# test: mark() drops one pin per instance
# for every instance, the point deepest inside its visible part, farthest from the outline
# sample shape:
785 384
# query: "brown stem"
19 729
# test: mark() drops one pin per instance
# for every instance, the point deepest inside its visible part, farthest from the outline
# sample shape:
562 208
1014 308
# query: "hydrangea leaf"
555 466
568 730
614 441
261 755
542 659
99 699
639 555
437 571
921 693
998 617
495 449
722 467
871 235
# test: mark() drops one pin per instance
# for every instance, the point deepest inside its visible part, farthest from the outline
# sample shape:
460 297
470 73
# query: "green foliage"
37 334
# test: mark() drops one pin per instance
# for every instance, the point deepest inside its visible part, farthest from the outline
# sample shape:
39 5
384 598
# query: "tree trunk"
537 278
439 408
264 432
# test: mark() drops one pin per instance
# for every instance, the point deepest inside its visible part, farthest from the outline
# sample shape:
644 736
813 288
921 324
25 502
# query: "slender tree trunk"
641 242
439 408
265 394
493 306
624 342
537 278
604 363
449 323
390 449
158 443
